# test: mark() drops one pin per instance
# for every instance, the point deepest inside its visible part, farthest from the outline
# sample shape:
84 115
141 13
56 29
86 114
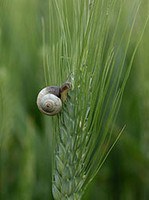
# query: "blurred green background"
25 154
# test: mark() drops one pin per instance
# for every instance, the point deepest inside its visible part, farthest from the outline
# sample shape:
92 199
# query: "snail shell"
48 100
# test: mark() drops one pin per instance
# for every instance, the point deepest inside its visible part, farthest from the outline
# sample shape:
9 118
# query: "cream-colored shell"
48 103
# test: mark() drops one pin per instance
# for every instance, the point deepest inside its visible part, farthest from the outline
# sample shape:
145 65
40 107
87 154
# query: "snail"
50 98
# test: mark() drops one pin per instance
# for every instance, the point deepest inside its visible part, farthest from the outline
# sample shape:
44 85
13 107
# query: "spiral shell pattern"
48 103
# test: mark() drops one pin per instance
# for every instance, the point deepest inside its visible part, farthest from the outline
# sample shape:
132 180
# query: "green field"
103 48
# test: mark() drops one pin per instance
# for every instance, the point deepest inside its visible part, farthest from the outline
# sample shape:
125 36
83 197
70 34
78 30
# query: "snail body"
49 99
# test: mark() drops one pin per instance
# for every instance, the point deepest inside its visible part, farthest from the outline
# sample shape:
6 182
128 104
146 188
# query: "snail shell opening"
48 103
